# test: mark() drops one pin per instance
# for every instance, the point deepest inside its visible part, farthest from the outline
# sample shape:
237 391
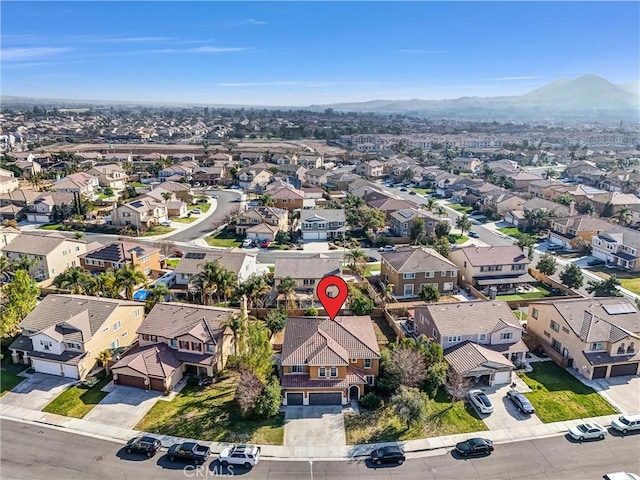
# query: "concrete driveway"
313 426
622 392
123 407
505 413
36 391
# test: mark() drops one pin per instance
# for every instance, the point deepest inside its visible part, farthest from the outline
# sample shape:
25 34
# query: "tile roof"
157 360
417 259
120 252
467 357
492 255
330 215
354 376
314 267
37 244
325 342
583 223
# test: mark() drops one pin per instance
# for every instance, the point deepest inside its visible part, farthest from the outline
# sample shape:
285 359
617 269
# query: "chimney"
572 208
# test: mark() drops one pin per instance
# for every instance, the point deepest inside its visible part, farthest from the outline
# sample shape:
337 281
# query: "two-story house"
50 254
209 175
65 334
322 224
618 246
143 212
176 340
182 191
80 182
401 221
262 222
502 267
597 337
574 231
238 261
410 268
306 272
317 176
111 175
481 340
178 171
328 362
286 196
255 177
8 182
466 164
144 257
372 169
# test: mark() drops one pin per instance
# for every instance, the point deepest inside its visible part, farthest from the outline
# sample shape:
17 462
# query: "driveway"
505 413
36 391
622 392
123 407
314 426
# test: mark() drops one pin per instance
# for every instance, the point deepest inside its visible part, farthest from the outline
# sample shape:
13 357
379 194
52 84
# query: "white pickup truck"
245 455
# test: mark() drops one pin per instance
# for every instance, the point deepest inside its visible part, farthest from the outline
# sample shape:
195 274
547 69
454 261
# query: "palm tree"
431 203
287 287
103 357
36 181
226 282
551 173
357 257
206 281
440 211
236 324
166 196
157 294
266 200
75 279
128 278
353 202
624 216
255 289
105 284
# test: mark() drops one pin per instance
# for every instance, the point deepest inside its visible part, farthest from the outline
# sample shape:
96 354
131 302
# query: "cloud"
27 53
252 21
421 52
204 49
304 84
509 79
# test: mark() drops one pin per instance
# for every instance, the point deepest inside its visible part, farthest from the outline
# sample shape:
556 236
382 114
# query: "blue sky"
302 53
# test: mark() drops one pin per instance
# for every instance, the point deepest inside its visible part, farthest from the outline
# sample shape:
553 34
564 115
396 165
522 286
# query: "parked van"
168 279
626 423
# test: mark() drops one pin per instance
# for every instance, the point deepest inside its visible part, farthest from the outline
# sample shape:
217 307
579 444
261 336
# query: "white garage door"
70 371
314 235
502 378
51 368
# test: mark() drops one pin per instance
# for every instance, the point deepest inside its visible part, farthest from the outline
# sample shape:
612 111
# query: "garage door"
502 378
51 368
70 371
131 381
325 399
625 369
314 235
294 399
599 372
157 384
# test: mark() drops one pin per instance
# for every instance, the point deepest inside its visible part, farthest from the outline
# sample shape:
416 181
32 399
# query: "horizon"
301 54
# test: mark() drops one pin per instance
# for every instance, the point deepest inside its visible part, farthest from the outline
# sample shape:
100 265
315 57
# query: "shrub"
370 401
361 305
268 403
311 312
193 381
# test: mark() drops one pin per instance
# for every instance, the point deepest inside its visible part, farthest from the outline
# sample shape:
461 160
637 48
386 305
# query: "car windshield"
582 428
484 399
624 420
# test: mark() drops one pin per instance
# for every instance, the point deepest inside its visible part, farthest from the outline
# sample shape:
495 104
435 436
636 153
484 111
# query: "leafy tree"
287 287
283 237
605 288
442 246
526 242
537 218
361 305
157 294
564 199
624 216
268 403
551 173
108 191
403 366
311 312
431 202
571 276
417 230
20 296
249 389
255 289
353 202
457 385
128 278
547 264
75 279
436 377
440 210
258 355
410 404
407 175
585 207
372 218
276 320
442 229
464 223
429 293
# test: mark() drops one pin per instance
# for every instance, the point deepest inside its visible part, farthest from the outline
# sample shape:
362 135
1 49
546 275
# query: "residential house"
372 170
518 218
255 177
116 255
238 261
298 172
29 168
618 246
501 202
341 181
596 337
306 272
181 190
323 224
317 176
574 232
411 268
43 208
286 196
50 254
401 221
386 203
502 267
544 188
611 202
178 172
481 340
176 340
328 362
175 206
7 234
65 334
143 212
277 218
8 182
113 176
209 175
309 161
80 182
466 164
522 179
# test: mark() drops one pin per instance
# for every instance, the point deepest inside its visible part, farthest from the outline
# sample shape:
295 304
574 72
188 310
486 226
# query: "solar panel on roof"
195 255
406 213
618 308
136 204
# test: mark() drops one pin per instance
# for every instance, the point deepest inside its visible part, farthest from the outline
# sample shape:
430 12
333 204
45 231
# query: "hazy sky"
301 53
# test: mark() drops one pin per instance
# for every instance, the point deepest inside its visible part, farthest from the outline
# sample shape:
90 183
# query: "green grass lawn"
224 239
631 284
557 395
138 184
628 280
210 414
457 239
383 425
202 206
159 230
422 191
511 231
544 291
9 375
77 401
190 219
173 262
460 208
50 226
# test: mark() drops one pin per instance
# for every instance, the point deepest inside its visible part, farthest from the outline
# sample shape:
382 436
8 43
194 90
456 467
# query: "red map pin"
332 304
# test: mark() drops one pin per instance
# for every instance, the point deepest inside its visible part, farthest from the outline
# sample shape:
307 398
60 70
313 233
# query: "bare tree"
457 385
247 392
166 247
405 367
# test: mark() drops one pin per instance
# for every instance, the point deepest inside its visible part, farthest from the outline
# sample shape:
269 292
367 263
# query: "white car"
245 455
621 476
626 423
247 242
588 431
165 224
196 211
480 400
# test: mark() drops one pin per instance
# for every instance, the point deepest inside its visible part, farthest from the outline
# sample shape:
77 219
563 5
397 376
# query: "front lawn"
510 231
158 230
631 284
422 191
9 375
224 239
457 239
628 280
190 219
460 208
173 262
383 425
210 414
77 401
202 206
50 226
558 396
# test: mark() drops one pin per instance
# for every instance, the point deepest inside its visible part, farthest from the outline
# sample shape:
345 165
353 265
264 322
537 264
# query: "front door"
354 392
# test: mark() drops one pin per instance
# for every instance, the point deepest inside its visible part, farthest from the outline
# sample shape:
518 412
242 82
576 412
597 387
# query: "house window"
197 347
322 372
309 281
554 326
547 334
370 380
408 276
136 314
534 312
596 346
115 344
154 338
408 290
565 330
429 274
506 336
447 286
116 326
184 345
124 334
173 342
334 371
443 274
455 338
209 348
556 345
145 337
482 337
453 274
297 369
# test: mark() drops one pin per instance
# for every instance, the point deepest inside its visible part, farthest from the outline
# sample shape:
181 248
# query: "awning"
526 278
625 256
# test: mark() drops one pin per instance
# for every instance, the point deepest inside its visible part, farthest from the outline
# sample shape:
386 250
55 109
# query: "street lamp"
311 468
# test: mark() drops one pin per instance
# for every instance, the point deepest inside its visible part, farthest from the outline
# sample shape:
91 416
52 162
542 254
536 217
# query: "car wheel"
378 462
224 463
520 409
625 431
601 437
401 461
247 465
128 450
581 439
148 454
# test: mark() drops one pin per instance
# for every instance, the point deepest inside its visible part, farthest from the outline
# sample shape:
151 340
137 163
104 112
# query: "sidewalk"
415 448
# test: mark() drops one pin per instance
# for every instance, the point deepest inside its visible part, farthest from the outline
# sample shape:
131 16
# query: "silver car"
588 431
480 400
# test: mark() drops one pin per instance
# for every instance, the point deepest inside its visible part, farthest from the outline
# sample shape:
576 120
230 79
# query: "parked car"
475 446
178 253
196 211
520 401
412 193
626 423
247 242
245 455
474 235
265 243
403 189
165 224
480 400
215 195
554 247
145 444
390 454
387 248
595 261
588 431
188 452
621 476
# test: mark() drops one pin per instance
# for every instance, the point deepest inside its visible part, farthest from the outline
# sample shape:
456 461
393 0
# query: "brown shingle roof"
493 255
157 360
314 267
120 252
466 357
417 259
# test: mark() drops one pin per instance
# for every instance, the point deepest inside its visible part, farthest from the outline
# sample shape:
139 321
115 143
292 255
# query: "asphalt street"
37 452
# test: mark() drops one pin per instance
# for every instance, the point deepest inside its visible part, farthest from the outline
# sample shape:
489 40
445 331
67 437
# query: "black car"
595 261
391 454
520 401
147 445
475 446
